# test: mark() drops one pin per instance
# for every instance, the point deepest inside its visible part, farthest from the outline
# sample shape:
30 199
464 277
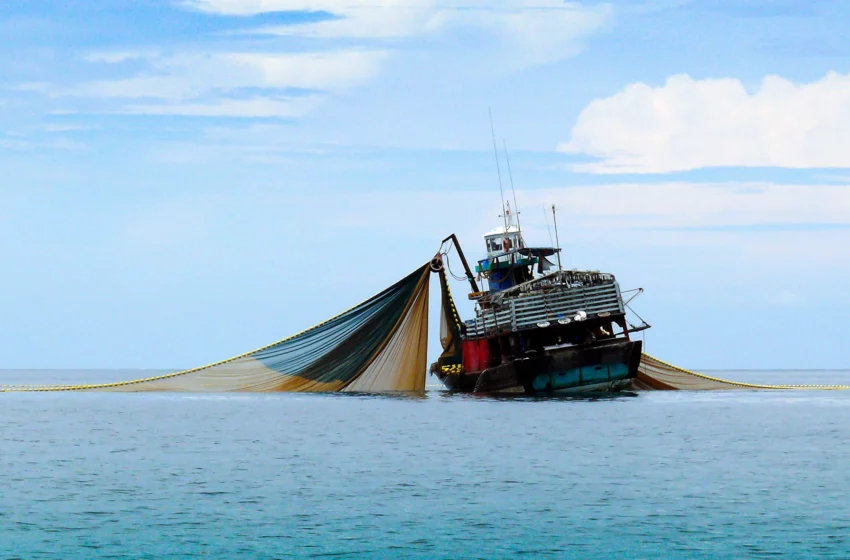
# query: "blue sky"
186 180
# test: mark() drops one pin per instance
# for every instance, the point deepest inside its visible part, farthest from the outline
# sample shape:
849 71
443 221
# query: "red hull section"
477 355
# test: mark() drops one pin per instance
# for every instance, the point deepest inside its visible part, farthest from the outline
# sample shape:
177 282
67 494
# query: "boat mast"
498 170
557 244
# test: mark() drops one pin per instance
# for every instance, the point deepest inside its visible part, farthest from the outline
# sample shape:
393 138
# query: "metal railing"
527 310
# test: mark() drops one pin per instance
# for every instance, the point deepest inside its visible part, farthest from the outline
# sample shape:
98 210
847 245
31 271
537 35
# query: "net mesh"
377 346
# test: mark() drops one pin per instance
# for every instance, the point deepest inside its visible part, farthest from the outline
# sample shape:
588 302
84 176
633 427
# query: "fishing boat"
538 328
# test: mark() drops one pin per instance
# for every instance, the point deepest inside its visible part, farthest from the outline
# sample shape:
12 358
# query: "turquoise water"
696 475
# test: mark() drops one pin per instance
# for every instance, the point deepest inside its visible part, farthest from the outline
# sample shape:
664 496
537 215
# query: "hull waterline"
606 367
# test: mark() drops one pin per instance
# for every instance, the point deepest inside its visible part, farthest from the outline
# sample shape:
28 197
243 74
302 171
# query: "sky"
185 180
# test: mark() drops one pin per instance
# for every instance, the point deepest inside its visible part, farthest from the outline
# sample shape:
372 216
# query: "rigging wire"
449 268
638 316
498 170
548 227
511 175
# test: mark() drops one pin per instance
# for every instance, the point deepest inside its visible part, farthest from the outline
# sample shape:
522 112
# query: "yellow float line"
452 303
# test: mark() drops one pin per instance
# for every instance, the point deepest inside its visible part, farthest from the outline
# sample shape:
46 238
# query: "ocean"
657 474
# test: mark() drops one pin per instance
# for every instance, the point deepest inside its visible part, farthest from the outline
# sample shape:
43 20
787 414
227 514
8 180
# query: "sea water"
659 474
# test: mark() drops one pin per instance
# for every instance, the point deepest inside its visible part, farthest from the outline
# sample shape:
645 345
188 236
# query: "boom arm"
469 275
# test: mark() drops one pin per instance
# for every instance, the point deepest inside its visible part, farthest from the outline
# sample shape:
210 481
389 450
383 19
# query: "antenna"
557 243
498 170
511 175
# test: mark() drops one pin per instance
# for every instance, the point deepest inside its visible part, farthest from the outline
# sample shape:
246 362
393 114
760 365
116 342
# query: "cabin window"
504 242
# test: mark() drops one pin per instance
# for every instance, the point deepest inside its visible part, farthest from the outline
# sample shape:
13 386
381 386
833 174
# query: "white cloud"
66 127
189 75
690 124
786 298
329 56
766 221
694 206
756 227
115 57
636 213
254 107
205 84
25 143
543 30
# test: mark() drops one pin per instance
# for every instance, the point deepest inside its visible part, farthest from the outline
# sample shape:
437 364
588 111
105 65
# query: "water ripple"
279 476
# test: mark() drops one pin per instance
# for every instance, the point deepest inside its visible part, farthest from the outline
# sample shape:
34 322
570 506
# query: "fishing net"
377 346
658 374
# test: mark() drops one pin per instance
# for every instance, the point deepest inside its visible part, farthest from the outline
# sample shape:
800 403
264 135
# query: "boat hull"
601 367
